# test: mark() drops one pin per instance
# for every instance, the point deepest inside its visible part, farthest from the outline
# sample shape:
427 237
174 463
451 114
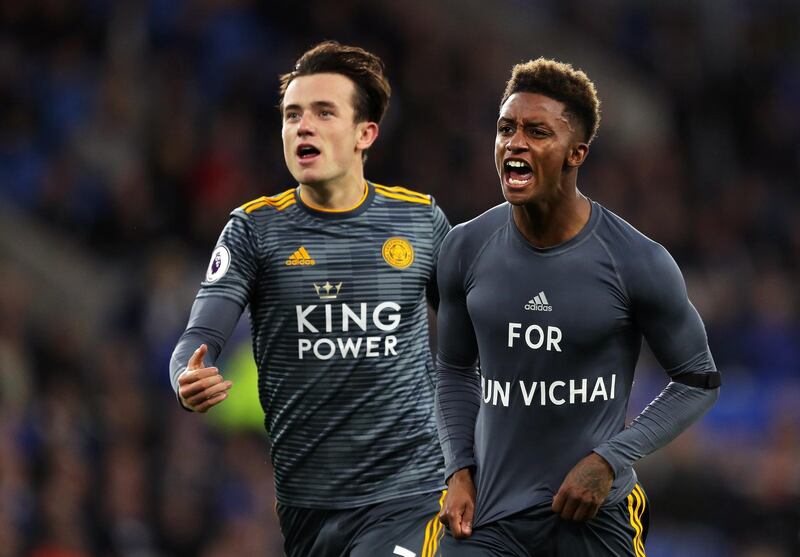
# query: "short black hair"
364 69
562 82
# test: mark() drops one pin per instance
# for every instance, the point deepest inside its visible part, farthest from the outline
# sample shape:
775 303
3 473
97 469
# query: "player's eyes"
325 113
504 129
291 116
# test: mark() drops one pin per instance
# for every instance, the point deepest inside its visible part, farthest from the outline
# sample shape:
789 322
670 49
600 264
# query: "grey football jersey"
557 333
340 338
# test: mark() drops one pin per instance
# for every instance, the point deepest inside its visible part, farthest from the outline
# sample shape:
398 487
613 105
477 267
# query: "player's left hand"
584 489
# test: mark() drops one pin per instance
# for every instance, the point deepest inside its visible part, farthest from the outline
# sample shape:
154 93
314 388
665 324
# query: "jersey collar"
572 243
333 214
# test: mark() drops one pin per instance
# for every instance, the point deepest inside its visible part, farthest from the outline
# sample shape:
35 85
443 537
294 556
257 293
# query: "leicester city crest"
398 252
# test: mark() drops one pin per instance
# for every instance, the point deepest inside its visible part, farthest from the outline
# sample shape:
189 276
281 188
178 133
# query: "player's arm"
441 226
222 297
677 337
457 389
198 384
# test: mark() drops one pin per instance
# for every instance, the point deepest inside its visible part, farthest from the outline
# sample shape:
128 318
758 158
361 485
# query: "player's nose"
516 142
305 126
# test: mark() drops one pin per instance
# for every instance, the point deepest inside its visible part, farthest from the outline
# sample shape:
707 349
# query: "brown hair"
563 83
363 68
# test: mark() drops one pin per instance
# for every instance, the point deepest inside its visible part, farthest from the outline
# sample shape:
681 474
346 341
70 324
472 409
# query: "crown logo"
327 291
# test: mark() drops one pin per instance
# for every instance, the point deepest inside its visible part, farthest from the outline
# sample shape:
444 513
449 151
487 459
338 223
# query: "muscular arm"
677 337
458 385
676 334
457 389
441 226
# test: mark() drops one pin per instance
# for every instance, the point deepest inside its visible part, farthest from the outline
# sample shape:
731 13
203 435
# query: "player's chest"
348 263
547 303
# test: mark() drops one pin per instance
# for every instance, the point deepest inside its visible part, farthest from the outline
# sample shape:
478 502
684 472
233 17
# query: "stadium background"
128 130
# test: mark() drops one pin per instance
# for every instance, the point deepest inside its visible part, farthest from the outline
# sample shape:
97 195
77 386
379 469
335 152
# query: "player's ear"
577 154
366 134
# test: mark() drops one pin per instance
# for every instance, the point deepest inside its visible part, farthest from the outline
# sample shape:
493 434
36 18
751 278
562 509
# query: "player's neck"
549 223
340 195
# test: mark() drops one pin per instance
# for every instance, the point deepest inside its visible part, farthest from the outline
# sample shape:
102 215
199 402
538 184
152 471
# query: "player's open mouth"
307 152
517 172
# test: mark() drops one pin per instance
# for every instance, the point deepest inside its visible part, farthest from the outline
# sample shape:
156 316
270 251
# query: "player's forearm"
676 408
458 394
211 322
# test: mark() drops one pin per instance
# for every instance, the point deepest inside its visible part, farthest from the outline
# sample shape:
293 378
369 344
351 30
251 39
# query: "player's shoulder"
484 224
468 237
266 205
401 195
622 234
631 248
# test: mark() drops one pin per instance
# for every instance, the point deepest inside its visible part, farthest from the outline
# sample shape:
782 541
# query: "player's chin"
516 196
517 193
307 176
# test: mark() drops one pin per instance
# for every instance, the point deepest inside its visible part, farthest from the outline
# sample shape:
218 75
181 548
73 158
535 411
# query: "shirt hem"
360 501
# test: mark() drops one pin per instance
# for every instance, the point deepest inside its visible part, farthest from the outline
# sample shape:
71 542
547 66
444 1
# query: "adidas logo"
539 303
300 257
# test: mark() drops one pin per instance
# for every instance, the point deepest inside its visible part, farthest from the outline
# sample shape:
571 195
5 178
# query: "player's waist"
362 479
497 500
540 459
337 499
354 445
336 408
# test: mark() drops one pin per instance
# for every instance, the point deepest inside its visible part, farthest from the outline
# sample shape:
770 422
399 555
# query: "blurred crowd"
130 129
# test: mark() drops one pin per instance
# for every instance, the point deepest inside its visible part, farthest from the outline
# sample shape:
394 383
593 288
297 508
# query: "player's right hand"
201 387
459 504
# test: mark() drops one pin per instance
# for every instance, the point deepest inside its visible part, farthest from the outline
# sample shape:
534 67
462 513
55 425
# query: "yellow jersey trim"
403 194
402 190
279 202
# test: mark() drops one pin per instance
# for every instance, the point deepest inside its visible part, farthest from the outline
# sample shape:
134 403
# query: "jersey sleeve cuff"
457 465
617 463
